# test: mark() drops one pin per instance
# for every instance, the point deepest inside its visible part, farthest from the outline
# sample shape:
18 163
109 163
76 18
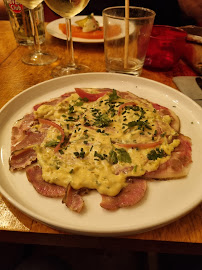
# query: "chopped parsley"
141 125
100 131
102 120
163 134
85 134
155 154
71 109
71 118
81 101
135 168
51 144
61 152
113 96
86 122
80 155
100 156
111 109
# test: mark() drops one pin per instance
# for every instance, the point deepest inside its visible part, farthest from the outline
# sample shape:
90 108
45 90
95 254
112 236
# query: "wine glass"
36 57
68 9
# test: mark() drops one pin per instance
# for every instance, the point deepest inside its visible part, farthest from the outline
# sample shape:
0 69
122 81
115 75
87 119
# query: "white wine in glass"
37 57
31 4
68 9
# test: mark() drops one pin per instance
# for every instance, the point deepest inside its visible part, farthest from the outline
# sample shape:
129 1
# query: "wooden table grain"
181 236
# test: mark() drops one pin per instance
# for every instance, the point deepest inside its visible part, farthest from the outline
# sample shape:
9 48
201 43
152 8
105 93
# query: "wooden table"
182 236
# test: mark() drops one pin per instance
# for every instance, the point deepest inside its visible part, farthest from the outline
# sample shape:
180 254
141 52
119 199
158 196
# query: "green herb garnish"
154 154
51 144
100 156
71 171
123 155
113 159
80 155
81 101
71 109
102 120
135 168
113 96
141 125
61 152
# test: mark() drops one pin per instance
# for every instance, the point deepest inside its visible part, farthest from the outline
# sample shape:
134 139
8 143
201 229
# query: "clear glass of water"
126 38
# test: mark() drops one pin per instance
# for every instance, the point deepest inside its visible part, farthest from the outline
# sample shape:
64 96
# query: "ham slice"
22 140
29 139
22 153
128 95
129 195
73 199
21 159
34 175
20 128
23 136
178 165
175 123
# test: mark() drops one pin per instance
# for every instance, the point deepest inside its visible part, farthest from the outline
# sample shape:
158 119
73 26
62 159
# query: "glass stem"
70 49
35 33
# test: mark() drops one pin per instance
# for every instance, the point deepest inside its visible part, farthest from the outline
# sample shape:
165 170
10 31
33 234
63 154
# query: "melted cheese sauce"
95 154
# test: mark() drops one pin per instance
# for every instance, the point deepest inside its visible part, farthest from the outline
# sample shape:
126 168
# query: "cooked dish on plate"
105 140
87 27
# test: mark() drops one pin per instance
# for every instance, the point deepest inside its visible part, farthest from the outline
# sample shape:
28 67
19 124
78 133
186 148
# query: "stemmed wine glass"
68 9
36 57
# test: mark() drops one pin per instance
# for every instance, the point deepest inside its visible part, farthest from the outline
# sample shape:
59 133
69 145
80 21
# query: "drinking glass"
126 37
36 58
68 9
166 46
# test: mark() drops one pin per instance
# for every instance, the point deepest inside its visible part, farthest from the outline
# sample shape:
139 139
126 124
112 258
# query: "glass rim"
151 15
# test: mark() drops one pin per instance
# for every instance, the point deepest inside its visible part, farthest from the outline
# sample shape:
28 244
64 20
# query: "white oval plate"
165 201
53 29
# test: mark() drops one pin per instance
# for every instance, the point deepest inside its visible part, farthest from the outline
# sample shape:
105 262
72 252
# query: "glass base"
39 59
68 70
136 73
116 65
